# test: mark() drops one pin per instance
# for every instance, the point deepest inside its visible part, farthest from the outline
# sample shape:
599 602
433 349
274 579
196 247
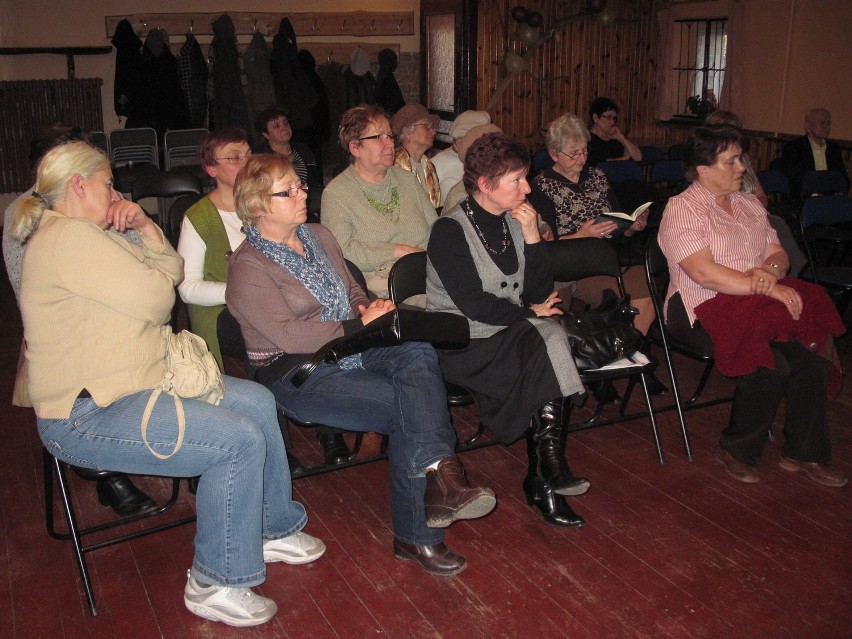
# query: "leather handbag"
604 334
444 330
191 372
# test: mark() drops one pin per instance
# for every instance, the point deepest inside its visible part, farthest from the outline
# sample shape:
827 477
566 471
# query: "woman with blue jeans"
95 311
291 292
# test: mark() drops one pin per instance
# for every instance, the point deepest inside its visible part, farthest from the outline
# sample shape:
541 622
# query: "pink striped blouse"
693 221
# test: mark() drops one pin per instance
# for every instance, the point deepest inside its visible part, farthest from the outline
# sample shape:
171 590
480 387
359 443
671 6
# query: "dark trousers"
800 377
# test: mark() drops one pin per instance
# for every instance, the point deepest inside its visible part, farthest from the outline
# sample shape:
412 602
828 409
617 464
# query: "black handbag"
604 334
444 330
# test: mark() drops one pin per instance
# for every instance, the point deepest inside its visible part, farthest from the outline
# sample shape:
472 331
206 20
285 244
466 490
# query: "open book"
630 217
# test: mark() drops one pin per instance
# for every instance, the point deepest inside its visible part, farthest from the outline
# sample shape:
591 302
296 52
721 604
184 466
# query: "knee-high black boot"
549 435
554 508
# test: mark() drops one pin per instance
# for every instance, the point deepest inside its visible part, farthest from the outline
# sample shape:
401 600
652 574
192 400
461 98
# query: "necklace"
504 243
390 209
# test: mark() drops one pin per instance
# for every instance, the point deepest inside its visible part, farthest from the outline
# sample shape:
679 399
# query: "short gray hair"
566 128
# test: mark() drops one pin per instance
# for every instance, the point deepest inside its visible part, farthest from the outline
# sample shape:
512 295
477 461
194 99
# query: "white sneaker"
298 548
233 606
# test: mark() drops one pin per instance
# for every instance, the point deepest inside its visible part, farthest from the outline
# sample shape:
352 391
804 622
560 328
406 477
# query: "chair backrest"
774 182
676 151
621 171
134 145
358 275
540 160
823 183
100 140
177 211
167 185
180 147
407 277
827 211
573 260
669 171
651 155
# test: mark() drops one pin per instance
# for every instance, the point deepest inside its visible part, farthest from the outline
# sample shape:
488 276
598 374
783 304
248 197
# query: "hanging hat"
409 114
359 62
466 121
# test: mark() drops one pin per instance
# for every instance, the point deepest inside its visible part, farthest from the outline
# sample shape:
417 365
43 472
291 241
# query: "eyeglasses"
575 154
293 191
613 118
235 159
426 125
381 137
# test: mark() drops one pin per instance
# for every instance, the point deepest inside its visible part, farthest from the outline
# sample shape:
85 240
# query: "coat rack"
354 23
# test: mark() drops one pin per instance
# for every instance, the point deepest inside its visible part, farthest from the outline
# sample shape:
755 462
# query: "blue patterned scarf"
315 272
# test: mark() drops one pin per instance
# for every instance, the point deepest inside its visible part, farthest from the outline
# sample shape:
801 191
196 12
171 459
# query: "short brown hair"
254 181
354 123
705 145
492 156
215 140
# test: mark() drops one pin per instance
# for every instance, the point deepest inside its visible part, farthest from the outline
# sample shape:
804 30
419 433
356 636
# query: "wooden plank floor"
678 551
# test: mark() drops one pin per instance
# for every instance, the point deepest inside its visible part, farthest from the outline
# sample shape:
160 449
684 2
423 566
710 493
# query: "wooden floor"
676 551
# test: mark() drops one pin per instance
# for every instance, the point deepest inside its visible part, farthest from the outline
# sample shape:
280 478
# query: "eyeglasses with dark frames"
575 154
293 191
426 125
381 137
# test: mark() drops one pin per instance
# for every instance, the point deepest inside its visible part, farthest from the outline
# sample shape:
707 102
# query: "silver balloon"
528 34
514 63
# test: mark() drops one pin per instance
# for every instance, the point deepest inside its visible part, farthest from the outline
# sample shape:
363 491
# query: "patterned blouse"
425 173
565 206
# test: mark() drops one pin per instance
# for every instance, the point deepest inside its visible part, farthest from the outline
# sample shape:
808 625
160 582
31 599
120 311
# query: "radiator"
28 105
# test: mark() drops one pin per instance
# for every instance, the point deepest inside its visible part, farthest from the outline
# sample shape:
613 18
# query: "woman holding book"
575 200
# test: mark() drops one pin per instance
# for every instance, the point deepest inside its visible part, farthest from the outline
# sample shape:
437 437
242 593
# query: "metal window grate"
700 70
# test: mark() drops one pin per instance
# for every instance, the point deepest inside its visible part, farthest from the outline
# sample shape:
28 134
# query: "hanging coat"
293 89
259 93
227 102
165 107
192 69
127 92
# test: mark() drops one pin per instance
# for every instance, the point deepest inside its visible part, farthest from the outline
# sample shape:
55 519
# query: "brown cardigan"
276 313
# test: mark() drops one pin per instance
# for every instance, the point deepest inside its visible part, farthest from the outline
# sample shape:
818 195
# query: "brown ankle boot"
449 497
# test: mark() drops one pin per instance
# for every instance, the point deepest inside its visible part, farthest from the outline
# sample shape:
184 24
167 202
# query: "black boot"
334 448
554 508
549 437
119 493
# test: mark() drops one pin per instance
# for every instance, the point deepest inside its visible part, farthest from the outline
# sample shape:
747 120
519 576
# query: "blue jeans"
400 393
244 495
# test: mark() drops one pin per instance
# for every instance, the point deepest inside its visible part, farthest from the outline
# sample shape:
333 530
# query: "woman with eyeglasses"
572 197
607 141
291 292
376 211
415 129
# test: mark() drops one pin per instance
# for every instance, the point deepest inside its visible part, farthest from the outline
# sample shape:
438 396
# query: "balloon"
595 6
535 19
528 34
519 14
514 63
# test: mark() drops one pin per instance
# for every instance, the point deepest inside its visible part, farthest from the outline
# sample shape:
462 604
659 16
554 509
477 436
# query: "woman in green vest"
209 233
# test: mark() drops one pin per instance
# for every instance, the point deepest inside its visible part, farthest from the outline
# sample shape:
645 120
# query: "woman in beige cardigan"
96 311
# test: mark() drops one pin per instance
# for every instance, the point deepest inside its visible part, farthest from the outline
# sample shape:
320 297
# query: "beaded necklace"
504 243
390 210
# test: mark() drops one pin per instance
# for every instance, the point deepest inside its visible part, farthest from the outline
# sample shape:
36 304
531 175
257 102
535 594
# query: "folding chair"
668 175
166 187
827 221
823 183
621 171
133 152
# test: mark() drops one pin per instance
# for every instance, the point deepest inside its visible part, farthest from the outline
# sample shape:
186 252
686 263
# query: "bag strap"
146 416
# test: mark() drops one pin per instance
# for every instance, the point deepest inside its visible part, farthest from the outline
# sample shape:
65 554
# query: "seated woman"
291 292
487 262
210 231
96 311
415 129
607 142
376 211
725 261
572 197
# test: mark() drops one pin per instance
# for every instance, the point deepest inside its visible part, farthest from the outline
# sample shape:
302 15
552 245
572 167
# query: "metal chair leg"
651 417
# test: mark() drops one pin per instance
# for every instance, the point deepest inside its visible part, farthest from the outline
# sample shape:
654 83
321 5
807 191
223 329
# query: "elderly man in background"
447 162
415 129
813 151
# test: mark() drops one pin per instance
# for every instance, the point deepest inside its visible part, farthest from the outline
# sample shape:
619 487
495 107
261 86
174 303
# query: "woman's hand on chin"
376 309
124 214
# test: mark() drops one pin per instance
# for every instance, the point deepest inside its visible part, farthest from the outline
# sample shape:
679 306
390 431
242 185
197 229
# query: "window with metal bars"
699 74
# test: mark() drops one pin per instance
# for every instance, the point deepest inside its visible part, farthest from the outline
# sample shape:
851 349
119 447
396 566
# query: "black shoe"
295 465
552 507
334 448
436 559
546 450
119 493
